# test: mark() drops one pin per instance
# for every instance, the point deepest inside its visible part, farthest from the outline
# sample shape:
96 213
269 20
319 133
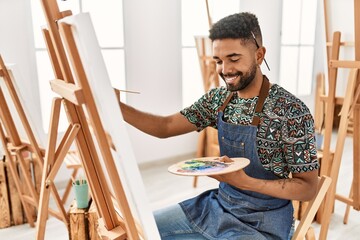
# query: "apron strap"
264 92
223 106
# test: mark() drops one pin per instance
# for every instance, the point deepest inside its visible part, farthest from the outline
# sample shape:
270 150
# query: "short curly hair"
237 26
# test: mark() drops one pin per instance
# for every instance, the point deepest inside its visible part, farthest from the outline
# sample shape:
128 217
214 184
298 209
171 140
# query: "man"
255 120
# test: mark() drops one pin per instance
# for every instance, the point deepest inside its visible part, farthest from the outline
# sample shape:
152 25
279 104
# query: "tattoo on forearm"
288 180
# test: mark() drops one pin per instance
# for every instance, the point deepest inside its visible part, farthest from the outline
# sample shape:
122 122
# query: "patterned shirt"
285 137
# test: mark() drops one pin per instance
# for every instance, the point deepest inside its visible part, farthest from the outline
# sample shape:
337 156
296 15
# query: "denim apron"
231 213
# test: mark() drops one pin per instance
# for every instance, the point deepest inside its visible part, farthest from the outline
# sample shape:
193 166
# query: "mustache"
232 74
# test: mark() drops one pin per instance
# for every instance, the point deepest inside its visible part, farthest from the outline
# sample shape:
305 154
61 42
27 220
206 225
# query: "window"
108 24
297 45
194 22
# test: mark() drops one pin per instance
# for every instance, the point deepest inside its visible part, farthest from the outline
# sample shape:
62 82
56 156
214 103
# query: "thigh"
173 224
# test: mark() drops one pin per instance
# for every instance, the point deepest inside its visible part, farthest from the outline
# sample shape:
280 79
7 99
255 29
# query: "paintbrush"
126 91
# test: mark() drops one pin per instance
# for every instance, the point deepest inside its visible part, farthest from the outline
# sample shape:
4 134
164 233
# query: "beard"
245 79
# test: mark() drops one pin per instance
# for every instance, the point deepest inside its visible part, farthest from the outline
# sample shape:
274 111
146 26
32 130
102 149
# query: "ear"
260 54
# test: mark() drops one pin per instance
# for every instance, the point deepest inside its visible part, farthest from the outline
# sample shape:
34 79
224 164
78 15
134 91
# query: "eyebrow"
229 55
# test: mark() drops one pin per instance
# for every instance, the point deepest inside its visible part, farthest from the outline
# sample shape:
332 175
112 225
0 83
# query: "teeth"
230 79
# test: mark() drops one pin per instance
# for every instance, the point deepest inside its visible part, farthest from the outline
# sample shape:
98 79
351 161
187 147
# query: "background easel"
330 162
16 148
117 221
25 154
28 180
208 145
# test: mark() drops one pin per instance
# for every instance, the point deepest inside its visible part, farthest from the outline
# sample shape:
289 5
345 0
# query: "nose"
225 69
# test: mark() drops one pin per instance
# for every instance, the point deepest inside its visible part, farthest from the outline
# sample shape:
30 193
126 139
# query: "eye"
218 62
234 59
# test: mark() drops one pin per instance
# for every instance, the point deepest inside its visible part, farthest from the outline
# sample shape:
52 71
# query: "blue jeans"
173 224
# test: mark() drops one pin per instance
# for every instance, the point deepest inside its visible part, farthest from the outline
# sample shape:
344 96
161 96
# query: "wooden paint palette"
207 166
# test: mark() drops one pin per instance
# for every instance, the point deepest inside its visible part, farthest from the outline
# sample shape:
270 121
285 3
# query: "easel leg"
13 171
356 157
347 211
53 166
50 154
30 186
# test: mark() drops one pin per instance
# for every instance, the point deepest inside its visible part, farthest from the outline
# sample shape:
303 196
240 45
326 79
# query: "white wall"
269 15
153 67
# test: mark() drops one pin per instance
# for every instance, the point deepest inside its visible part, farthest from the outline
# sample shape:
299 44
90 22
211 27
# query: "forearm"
301 186
155 125
291 188
143 121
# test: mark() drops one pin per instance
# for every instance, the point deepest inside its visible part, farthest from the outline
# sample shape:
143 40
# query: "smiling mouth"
230 79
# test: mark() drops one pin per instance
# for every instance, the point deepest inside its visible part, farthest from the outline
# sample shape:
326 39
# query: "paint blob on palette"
207 166
196 165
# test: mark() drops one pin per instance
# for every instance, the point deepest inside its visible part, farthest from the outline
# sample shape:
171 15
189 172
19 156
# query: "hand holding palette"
207 166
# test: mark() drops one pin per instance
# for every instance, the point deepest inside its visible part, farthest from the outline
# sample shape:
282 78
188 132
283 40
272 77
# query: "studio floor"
164 189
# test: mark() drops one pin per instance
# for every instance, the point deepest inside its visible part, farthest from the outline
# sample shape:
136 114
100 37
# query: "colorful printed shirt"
285 137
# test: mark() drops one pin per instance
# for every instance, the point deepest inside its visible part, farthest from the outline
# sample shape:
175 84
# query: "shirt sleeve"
203 112
299 141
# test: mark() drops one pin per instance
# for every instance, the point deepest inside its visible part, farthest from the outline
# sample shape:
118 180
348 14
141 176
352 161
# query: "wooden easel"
76 98
207 143
325 213
350 105
319 104
16 148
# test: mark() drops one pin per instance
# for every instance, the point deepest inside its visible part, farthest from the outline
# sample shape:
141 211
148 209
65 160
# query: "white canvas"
112 120
16 80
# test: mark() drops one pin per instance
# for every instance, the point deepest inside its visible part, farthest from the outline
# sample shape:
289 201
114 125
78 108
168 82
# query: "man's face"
235 62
